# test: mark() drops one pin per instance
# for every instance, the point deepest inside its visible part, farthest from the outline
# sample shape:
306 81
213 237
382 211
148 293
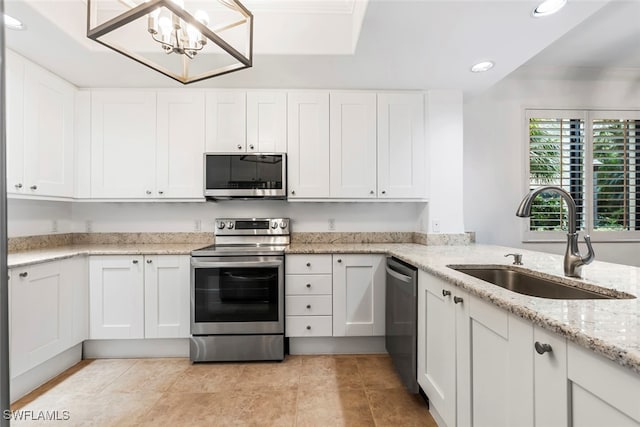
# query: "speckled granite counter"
20 259
608 327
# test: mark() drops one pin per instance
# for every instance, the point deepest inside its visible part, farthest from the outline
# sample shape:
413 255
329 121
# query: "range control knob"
283 224
220 225
230 225
274 225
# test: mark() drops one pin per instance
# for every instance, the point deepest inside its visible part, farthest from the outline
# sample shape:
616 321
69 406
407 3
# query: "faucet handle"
591 254
517 258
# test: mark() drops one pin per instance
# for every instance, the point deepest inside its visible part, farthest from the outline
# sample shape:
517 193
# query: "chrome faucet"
573 261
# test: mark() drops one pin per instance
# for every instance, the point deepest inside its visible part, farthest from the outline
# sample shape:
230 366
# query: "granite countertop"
608 327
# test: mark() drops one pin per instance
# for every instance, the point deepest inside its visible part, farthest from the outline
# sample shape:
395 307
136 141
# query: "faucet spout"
573 261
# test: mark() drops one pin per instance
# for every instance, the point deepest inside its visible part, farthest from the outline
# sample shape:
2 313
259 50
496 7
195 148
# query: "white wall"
28 217
495 148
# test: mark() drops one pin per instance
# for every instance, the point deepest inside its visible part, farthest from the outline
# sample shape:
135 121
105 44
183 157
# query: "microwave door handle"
222 264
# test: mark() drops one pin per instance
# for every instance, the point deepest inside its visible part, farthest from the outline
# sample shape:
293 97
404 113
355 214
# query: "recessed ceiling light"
12 23
481 67
548 7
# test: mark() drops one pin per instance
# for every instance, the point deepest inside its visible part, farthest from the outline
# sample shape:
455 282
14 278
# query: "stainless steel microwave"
245 176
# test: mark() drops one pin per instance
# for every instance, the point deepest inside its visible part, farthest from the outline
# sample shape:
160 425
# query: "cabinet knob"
161 192
372 192
148 192
384 192
293 192
34 187
308 306
339 260
149 261
239 147
542 348
308 327
18 185
446 293
251 147
23 274
457 300
309 285
135 261
308 264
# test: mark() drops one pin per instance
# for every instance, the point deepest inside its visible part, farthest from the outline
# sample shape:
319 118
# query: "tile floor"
350 390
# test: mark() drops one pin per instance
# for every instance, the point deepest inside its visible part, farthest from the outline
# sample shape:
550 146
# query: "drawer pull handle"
446 293
135 261
308 327
308 264
308 306
149 261
308 285
339 260
542 348
25 274
457 300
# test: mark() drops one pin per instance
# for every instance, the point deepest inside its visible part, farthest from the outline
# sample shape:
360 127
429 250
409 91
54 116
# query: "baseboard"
122 349
336 345
35 377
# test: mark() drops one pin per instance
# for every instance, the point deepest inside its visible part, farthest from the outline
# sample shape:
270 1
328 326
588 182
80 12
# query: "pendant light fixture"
187 40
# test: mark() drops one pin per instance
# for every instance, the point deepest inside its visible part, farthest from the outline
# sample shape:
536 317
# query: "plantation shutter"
556 157
616 173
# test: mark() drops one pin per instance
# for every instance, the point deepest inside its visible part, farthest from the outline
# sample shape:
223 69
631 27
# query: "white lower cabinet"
48 311
132 296
358 295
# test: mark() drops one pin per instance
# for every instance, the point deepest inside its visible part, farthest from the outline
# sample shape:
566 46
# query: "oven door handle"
222 264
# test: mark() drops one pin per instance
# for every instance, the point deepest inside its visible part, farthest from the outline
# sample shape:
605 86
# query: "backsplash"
356 237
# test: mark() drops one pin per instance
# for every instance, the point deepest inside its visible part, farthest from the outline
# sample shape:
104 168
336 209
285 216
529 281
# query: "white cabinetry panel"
15 122
401 146
179 167
267 122
308 144
123 144
353 145
226 121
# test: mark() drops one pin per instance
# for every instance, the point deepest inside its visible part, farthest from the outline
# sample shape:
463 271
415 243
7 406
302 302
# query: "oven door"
237 295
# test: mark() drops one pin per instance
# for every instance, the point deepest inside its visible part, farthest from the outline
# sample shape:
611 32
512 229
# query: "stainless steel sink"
527 284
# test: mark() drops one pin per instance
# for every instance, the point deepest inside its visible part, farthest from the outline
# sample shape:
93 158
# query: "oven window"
236 294
245 172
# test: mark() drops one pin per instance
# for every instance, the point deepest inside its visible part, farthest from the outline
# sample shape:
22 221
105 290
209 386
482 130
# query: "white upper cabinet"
123 144
308 145
401 146
226 121
267 122
353 145
40 140
180 145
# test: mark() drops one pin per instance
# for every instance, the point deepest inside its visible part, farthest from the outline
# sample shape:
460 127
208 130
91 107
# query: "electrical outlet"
88 226
435 225
332 224
54 226
197 225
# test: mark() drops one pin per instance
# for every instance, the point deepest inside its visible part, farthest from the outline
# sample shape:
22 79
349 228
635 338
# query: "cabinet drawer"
311 305
308 284
308 326
308 264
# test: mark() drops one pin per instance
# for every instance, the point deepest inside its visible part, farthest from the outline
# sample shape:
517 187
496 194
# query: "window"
592 155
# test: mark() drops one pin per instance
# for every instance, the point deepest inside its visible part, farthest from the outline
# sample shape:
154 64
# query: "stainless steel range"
237 292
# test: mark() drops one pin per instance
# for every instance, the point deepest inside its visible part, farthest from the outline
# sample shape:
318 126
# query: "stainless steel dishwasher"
401 320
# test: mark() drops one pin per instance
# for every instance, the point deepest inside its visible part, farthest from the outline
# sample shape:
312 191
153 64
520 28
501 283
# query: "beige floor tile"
330 372
340 408
208 378
256 376
377 372
396 407
149 375
95 377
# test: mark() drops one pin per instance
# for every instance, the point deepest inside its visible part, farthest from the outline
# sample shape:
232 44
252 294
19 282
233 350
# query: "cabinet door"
437 345
267 122
308 144
353 145
116 297
180 145
401 146
226 121
551 395
15 123
166 288
77 274
358 295
123 144
41 319
48 134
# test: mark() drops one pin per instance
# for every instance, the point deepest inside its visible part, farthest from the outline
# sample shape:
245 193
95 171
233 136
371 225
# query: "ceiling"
348 44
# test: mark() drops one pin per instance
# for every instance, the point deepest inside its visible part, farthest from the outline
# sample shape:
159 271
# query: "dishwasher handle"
396 275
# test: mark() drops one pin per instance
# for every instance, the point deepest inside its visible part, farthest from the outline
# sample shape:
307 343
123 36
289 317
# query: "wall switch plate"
88 226
332 224
197 225
54 226
435 225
